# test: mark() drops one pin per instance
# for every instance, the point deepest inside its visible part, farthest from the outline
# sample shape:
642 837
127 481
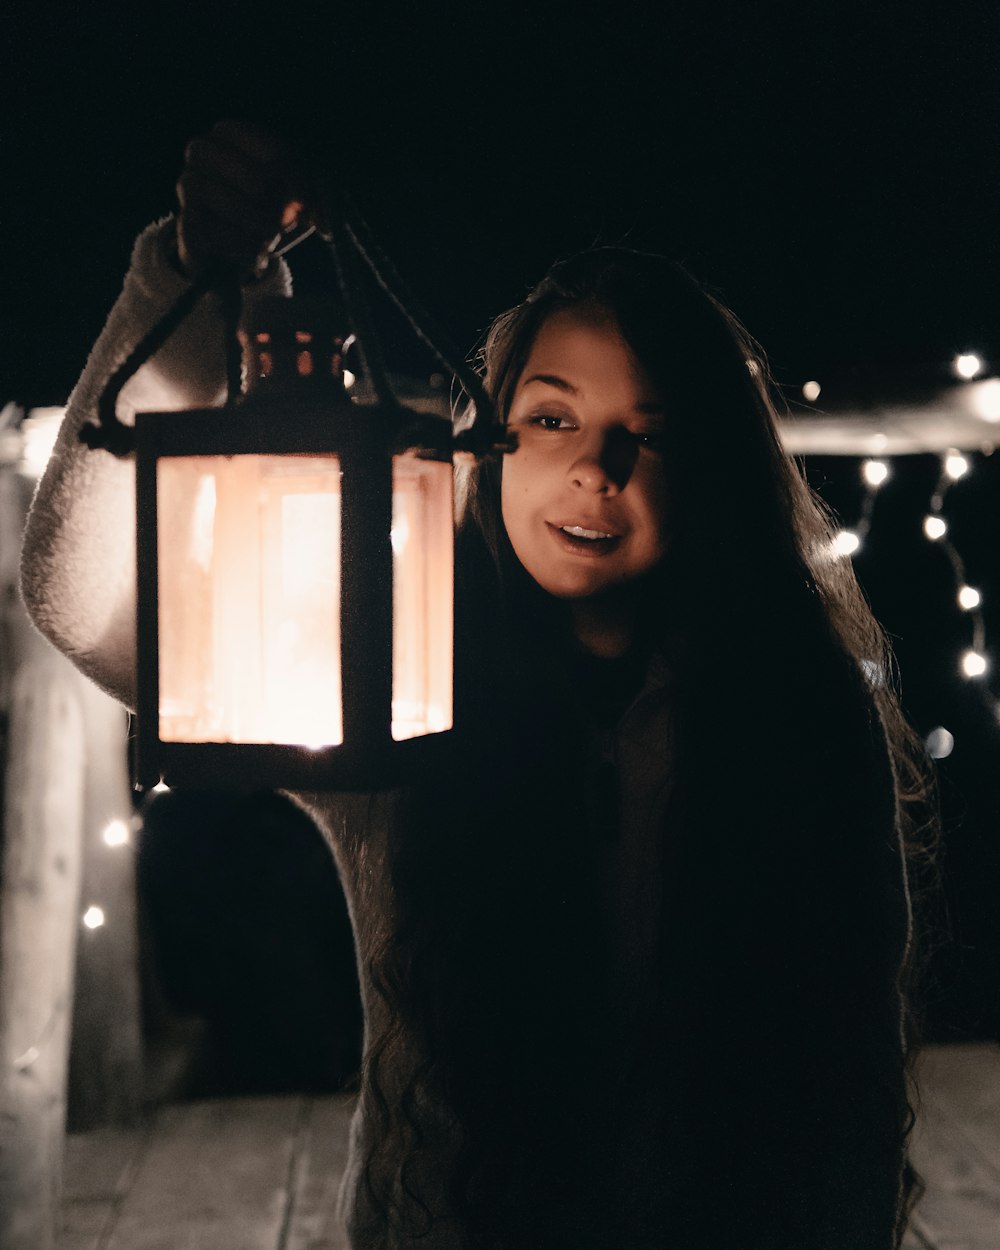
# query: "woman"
634 975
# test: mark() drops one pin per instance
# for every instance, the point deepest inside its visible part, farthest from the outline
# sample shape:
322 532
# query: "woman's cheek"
513 483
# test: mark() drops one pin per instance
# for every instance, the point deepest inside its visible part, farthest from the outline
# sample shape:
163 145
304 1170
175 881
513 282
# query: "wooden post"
39 918
105 1068
65 780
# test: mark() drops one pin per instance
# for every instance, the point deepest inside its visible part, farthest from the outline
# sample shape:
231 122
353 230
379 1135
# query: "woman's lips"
575 539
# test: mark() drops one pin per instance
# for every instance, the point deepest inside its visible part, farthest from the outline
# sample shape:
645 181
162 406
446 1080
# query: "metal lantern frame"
321 422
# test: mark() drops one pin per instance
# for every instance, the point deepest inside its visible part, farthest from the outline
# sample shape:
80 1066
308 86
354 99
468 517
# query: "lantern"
295 556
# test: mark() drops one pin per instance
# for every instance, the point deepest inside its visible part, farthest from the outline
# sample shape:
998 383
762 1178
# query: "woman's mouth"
582 540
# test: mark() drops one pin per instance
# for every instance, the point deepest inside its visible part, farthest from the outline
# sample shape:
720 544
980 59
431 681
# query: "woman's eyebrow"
649 407
552 379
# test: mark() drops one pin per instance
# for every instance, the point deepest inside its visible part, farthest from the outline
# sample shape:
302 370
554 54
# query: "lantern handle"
365 340
110 434
349 235
485 435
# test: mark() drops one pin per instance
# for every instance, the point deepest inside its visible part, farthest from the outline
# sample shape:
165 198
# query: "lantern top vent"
293 343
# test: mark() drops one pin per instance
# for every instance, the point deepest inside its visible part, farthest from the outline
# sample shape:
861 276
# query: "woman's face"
584 496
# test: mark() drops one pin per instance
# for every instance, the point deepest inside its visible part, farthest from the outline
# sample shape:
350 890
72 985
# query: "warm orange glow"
423 547
249 598
249 595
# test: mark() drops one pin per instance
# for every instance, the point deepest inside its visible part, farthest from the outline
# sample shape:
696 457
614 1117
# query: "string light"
974 664
811 391
94 917
935 527
846 543
115 834
967 365
955 465
875 472
969 598
939 743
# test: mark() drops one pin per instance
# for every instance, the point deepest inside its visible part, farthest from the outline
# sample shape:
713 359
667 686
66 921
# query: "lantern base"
247 767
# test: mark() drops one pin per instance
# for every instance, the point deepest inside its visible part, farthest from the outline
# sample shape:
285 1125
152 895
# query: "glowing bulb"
93 917
161 787
116 833
967 365
939 743
846 543
969 598
955 465
349 379
811 391
875 472
973 664
985 399
934 527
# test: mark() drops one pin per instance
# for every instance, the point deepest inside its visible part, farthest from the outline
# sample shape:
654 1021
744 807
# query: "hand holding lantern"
237 194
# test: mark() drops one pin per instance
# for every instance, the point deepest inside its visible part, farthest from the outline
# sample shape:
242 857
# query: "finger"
249 216
292 213
210 231
210 239
261 149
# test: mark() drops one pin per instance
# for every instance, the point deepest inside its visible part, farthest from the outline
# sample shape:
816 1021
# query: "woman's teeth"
577 531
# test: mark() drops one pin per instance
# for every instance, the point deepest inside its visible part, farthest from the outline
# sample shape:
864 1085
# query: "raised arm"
78 559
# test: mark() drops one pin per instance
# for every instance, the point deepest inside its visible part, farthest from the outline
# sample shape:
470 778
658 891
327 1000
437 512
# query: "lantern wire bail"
485 435
351 243
111 434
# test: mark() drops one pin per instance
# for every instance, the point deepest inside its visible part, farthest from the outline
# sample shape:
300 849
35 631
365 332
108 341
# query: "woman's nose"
589 474
604 466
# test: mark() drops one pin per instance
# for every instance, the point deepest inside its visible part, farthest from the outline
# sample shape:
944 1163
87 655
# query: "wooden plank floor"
239 1174
262 1173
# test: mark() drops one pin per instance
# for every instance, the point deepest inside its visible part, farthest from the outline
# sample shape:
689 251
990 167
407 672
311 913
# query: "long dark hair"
799 796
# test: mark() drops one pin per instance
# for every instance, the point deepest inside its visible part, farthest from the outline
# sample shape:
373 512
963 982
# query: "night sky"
830 169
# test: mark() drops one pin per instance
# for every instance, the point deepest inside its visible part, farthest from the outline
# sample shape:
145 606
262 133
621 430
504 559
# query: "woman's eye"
551 421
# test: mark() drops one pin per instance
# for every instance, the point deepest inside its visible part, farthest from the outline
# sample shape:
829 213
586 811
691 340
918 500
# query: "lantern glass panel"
249 599
423 560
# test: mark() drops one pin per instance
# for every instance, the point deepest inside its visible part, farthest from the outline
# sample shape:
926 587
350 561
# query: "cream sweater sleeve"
78 556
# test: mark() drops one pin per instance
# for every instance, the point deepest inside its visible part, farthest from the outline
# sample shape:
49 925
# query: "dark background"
831 169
